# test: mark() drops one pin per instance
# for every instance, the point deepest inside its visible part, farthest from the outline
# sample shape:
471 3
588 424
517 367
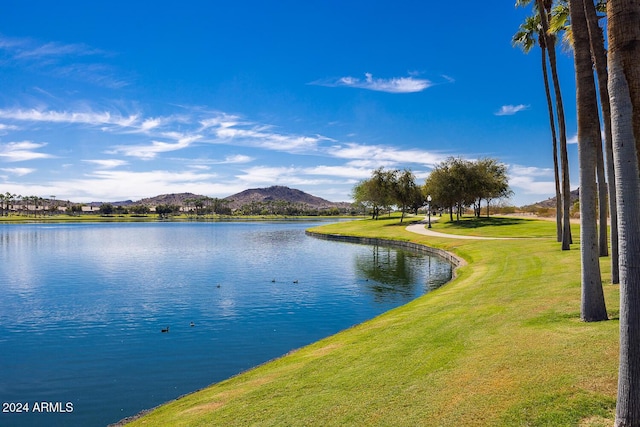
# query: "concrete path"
421 228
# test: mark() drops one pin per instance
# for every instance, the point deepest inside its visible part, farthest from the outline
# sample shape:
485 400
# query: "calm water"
82 307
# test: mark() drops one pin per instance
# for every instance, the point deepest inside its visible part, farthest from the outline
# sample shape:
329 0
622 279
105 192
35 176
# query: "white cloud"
409 84
106 185
348 172
88 117
29 50
238 158
18 171
259 137
22 151
379 155
509 110
108 163
530 171
528 179
222 120
62 60
148 152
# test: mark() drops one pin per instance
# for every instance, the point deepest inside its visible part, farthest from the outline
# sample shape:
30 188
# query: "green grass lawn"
497 227
500 345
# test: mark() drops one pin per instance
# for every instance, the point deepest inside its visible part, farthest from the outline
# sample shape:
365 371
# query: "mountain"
550 203
168 199
281 193
274 193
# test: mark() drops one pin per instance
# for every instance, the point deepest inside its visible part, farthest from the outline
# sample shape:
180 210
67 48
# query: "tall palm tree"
624 90
592 304
560 22
529 32
543 8
600 60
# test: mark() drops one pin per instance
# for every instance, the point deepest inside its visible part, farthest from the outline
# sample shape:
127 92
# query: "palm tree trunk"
552 123
600 59
592 306
624 90
564 157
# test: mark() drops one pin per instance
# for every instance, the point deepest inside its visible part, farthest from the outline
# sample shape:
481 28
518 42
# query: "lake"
82 308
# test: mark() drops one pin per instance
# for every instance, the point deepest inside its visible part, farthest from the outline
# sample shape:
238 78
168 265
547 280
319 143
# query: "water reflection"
393 274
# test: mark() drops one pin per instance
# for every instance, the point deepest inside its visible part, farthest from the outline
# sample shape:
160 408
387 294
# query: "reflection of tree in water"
392 273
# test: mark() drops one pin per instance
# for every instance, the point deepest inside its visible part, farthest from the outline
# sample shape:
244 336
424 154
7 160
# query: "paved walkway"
420 228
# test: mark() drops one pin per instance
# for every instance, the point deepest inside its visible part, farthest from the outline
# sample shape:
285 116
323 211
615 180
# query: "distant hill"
274 193
551 202
281 193
168 199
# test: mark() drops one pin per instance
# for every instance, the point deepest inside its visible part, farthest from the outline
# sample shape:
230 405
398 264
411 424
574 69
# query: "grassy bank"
502 344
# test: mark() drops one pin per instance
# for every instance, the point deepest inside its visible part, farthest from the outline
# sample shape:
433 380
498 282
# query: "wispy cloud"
62 60
510 110
7 127
531 180
381 155
22 151
409 84
343 172
27 48
150 151
260 136
119 184
296 176
108 163
236 159
76 117
18 171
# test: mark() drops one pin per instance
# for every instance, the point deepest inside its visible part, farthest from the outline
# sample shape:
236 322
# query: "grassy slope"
502 344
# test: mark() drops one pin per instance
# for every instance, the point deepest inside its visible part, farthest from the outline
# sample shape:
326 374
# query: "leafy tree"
120 210
406 192
106 209
362 195
140 209
76 209
442 187
492 181
165 211
378 192
457 183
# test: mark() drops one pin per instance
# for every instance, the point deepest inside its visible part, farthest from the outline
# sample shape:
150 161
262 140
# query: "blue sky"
123 100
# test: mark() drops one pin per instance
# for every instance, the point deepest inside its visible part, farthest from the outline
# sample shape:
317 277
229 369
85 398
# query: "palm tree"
600 60
624 80
559 22
3 201
544 9
592 306
10 200
528 33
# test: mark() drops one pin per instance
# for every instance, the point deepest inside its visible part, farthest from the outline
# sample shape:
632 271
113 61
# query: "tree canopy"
453 184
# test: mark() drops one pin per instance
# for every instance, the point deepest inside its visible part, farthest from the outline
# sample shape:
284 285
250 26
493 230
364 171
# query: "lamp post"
429 209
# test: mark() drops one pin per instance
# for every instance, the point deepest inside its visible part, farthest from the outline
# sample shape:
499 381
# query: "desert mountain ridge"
257 195
550 203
